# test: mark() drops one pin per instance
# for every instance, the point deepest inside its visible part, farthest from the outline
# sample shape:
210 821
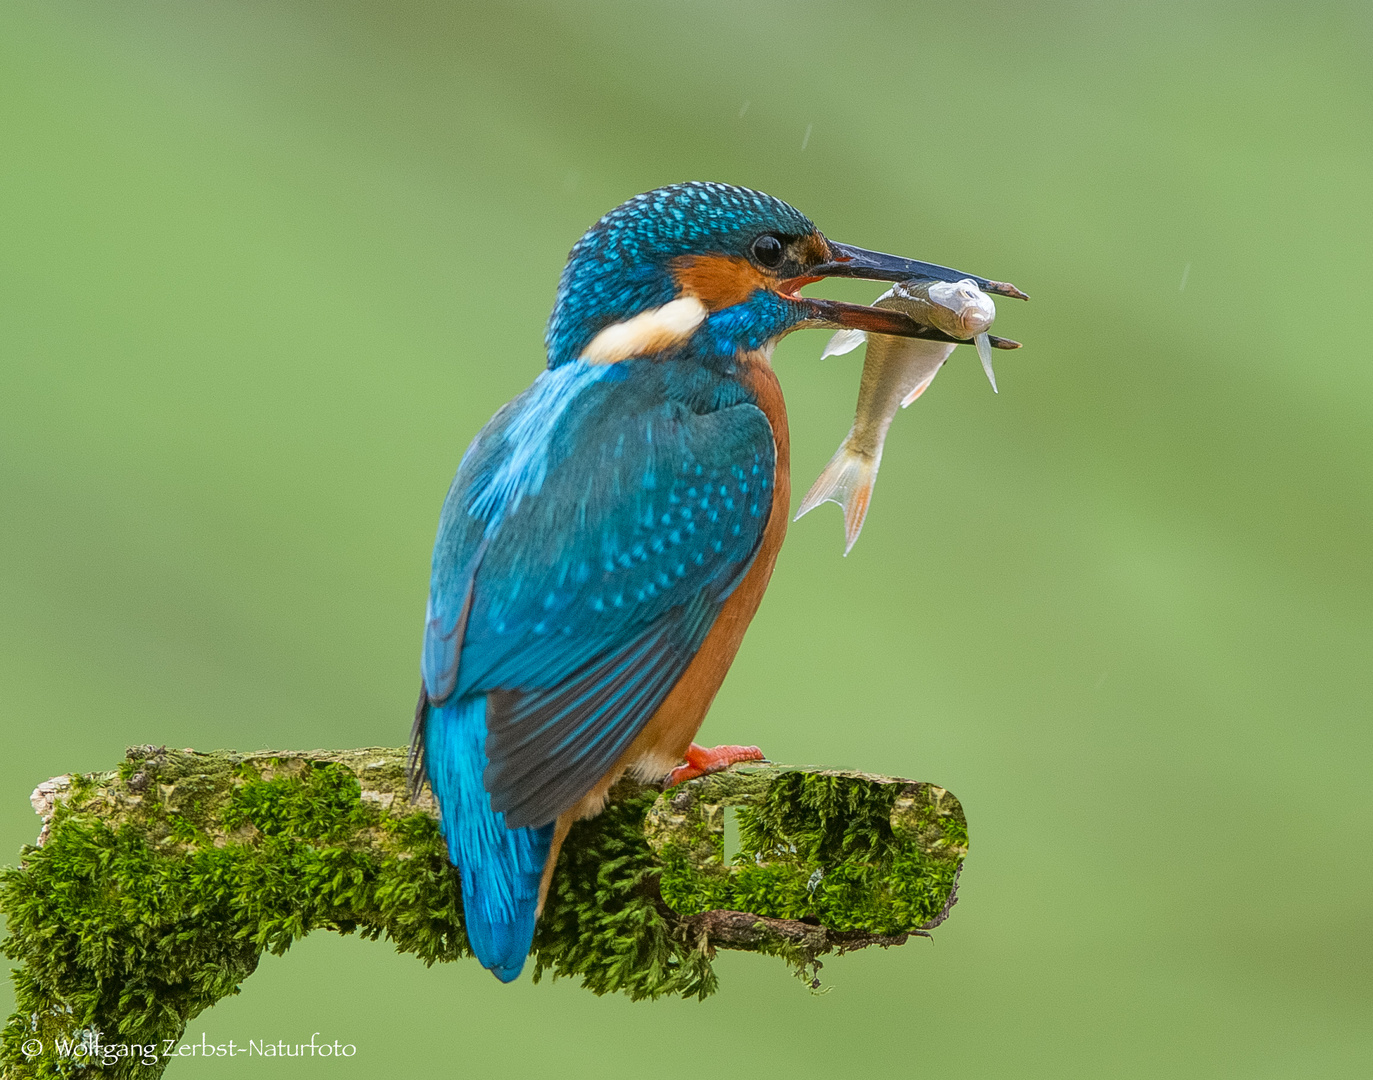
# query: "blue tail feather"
500 868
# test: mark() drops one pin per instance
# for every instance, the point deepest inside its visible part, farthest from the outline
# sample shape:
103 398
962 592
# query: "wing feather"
591 586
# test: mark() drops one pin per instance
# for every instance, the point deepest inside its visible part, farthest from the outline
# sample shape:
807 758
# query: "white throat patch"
648 332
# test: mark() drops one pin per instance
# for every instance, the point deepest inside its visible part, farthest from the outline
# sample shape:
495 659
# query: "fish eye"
768 250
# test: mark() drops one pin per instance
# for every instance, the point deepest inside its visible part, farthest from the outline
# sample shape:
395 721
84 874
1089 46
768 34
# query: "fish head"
973 309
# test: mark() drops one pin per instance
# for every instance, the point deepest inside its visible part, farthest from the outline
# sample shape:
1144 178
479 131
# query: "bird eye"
767 249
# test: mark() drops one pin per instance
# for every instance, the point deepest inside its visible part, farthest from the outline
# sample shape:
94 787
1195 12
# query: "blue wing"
586 546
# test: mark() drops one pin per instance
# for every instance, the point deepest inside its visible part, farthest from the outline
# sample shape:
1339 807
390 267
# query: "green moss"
161 884
839 850
605 920
132 930
318 804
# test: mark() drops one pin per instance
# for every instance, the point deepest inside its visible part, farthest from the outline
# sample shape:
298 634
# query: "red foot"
701 760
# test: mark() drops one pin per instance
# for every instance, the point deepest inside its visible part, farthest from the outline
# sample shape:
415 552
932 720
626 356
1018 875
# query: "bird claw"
703 760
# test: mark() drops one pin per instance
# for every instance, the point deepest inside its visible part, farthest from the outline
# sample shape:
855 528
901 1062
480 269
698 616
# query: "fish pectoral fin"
845 341
847 480
984 352
920 388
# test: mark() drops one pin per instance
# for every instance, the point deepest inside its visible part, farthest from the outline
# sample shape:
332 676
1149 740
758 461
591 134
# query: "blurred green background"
266 267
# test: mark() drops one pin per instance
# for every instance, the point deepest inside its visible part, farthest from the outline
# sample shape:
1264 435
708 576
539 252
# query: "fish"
896 371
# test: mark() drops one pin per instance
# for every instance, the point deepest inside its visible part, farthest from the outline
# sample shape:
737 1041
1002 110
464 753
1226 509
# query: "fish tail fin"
846 480
500 868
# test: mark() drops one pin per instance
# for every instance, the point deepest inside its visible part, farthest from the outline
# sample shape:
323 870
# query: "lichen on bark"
155 887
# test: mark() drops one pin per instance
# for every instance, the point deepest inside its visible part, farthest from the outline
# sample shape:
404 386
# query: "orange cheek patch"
718 281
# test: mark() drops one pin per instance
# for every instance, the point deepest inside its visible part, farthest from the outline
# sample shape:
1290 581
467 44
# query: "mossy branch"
154 888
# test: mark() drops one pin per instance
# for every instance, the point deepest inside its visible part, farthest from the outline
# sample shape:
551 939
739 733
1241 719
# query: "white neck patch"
648 332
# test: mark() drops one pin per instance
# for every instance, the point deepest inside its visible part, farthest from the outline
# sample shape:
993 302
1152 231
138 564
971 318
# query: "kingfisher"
610 532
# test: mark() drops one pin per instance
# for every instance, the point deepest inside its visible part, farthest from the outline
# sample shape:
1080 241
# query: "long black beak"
836 314
848 261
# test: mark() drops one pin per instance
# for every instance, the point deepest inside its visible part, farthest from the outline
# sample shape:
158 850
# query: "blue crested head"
720 245
710 270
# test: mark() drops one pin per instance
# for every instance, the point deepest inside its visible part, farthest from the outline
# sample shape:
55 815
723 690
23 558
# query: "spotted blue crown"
621 266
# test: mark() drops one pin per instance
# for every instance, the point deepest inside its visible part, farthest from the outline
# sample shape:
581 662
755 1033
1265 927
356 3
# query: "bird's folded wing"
591 590
547 747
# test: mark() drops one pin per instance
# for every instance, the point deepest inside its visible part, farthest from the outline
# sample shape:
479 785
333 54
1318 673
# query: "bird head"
717 269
